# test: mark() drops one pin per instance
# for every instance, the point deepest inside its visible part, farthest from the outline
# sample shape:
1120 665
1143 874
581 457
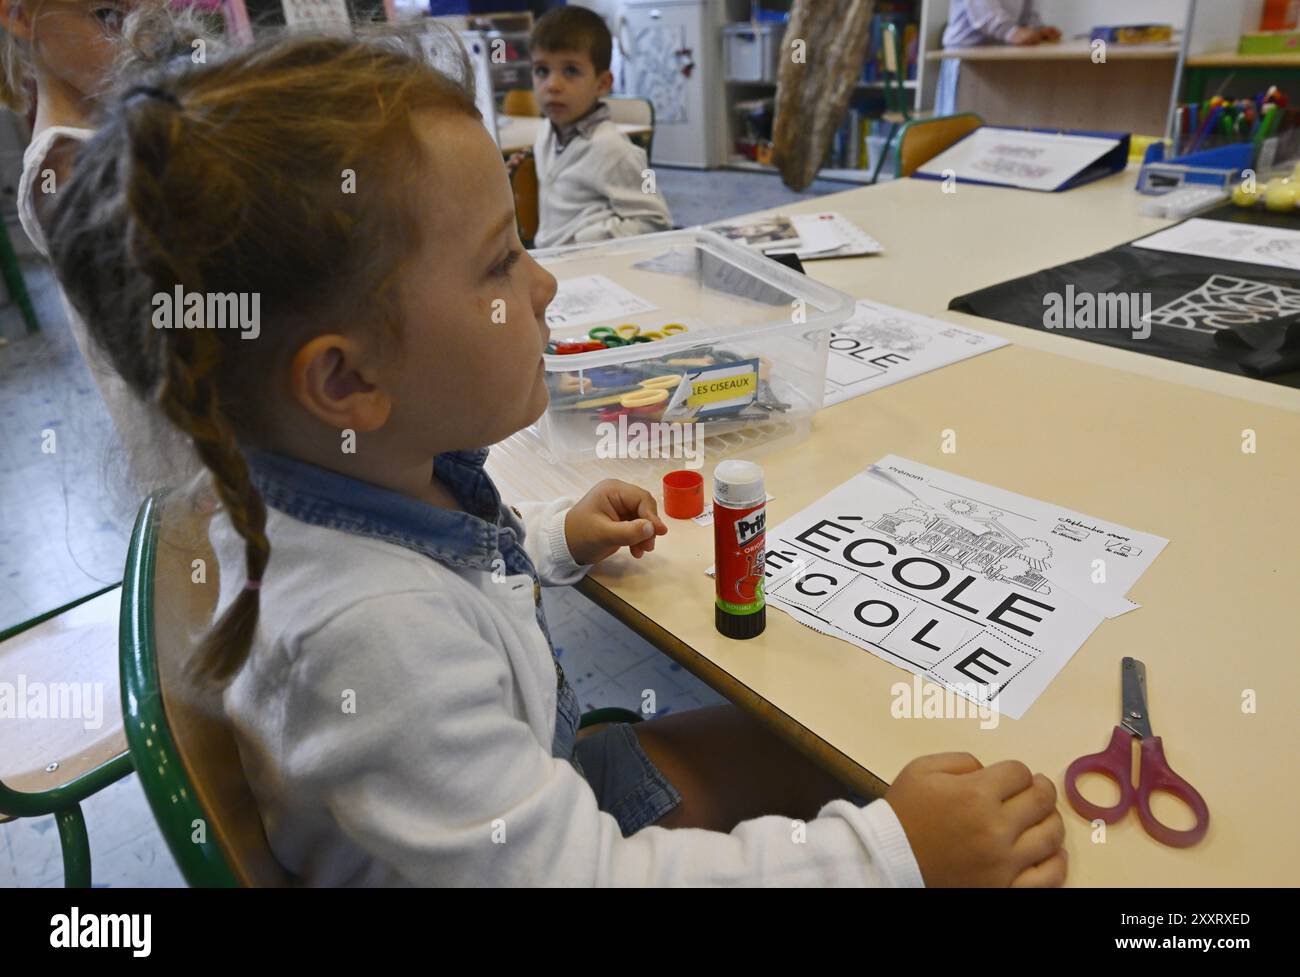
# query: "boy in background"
592 181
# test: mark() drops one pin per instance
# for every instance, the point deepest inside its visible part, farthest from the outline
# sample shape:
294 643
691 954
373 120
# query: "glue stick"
739 540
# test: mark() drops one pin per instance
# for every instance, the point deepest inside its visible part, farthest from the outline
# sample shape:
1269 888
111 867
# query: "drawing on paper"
658 73
1016 150
1002 166
947 578
589 299
1283 251
891 333
1226 302
996 552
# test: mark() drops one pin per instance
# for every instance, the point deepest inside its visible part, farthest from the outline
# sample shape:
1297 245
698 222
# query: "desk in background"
519 132
1145 442
1059 86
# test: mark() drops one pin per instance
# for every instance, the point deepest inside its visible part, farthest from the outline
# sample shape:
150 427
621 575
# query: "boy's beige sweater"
593 186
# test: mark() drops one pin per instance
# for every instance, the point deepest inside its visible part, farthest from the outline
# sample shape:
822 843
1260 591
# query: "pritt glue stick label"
739 541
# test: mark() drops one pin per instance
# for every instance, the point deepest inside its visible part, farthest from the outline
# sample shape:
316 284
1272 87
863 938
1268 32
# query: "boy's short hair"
575 29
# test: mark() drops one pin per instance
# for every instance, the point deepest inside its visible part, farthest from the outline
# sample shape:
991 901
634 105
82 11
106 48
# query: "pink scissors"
1116 762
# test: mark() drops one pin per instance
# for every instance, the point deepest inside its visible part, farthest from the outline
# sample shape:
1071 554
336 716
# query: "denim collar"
470 539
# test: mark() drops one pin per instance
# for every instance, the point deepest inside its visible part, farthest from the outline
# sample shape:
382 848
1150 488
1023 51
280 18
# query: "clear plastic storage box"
704 342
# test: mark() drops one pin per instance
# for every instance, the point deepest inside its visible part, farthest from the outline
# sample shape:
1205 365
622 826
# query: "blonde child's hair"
152 31
283 169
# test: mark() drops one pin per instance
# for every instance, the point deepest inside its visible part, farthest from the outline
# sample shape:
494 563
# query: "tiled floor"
64 523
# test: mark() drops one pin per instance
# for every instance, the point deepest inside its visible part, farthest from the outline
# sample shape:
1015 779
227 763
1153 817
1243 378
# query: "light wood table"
1059 85
1145 442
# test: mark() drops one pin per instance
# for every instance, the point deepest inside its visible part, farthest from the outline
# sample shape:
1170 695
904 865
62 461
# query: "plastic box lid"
716 288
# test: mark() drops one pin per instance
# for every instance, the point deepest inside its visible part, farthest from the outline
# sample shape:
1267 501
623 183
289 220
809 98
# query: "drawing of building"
984 552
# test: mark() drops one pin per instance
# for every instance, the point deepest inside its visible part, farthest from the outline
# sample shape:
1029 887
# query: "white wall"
1219 24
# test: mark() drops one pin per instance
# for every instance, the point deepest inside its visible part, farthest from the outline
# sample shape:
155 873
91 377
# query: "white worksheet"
1019 158
828 235
1276 246
879 345
588 299
984 591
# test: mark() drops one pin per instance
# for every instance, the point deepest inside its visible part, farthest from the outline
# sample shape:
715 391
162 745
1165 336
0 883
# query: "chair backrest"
631 110
520 101
180 741
921 140
636 111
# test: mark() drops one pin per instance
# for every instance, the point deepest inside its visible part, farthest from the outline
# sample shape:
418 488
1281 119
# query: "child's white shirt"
155 453
592 188
32 180
395 721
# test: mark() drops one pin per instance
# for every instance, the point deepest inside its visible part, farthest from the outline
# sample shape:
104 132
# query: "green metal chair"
183 748
14 281
50 766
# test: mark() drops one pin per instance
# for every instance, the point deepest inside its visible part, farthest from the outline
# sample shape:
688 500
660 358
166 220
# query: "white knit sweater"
395 721
592 189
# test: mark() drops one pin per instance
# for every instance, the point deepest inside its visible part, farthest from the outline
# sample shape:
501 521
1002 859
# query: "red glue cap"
683 494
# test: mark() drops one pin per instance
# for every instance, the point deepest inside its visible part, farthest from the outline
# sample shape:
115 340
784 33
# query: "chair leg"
13 278
884 151
76 847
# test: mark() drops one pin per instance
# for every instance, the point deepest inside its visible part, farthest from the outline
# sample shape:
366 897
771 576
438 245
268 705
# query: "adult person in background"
972 23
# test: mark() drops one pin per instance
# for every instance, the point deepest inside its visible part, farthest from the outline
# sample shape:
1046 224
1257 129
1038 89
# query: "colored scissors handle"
1115 762
1155 775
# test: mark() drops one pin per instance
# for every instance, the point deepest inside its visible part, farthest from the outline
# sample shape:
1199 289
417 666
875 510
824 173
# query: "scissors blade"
1135 717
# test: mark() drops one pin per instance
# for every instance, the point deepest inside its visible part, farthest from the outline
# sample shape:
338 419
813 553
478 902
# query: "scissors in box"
1116 762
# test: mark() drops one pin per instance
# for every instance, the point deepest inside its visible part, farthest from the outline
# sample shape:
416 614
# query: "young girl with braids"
381 646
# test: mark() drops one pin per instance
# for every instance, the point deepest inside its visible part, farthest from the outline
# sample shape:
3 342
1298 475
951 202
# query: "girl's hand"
513 162
972 825
612 515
